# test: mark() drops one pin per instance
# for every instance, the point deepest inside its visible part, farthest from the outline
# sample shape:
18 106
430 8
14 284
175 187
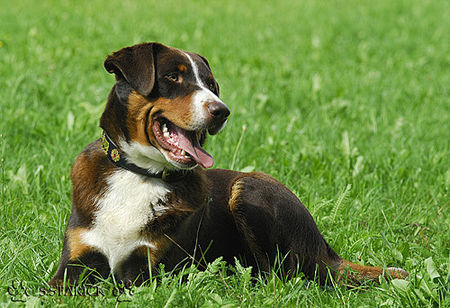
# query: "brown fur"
89 172
138 110
77 248
177 111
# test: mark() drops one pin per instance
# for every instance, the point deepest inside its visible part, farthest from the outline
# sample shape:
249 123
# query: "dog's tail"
352 274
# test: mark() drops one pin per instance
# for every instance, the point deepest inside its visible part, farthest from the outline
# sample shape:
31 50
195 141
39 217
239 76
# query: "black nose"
219 111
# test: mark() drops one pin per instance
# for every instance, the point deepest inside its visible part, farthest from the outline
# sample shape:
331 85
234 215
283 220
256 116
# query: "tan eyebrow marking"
182 68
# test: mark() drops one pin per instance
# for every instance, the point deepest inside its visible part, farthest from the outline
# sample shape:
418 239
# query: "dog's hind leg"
275 223
277 227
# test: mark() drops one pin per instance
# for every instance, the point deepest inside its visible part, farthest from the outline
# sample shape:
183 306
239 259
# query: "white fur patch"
129 203
144 156
200 99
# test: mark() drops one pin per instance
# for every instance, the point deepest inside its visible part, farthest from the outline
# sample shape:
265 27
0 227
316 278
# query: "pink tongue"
193 148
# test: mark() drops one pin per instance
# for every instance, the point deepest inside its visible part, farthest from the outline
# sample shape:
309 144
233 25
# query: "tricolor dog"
142 194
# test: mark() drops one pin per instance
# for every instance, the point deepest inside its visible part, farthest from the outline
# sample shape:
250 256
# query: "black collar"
118 158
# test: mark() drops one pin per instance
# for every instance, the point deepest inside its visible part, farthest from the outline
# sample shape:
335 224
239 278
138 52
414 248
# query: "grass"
346 102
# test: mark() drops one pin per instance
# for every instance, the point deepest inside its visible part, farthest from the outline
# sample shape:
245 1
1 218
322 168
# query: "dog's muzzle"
219 113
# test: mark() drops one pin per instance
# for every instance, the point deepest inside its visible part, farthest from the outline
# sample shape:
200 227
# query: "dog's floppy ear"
136 65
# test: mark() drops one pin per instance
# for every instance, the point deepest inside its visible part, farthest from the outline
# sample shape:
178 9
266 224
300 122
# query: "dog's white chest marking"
129 203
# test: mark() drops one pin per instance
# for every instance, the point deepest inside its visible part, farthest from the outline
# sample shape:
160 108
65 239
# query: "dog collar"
117 158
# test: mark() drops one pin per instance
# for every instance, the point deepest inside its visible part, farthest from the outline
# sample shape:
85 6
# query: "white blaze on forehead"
202 96
195 71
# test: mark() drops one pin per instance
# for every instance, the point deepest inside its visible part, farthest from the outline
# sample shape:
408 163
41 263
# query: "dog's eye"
173 77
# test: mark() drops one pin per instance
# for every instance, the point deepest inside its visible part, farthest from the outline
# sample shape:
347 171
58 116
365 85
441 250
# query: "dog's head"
164 102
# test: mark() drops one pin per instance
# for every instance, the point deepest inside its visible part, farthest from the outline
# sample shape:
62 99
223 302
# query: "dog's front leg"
77 260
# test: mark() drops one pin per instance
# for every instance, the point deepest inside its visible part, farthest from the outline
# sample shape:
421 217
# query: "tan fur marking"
177 111
235 195
76 247
138 108
182 68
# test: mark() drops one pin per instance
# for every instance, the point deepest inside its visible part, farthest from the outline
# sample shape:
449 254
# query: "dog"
143 194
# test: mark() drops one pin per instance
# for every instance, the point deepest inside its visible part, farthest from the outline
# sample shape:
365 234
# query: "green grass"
347 102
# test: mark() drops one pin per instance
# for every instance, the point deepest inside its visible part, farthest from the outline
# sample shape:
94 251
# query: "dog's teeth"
183 153
164 128
166 134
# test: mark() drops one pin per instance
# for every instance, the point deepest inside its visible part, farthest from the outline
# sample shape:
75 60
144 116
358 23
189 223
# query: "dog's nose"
219 111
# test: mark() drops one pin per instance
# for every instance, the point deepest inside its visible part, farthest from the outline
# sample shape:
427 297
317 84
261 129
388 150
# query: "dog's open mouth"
181 145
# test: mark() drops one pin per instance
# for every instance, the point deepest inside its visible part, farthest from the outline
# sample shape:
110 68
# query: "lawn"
346 102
